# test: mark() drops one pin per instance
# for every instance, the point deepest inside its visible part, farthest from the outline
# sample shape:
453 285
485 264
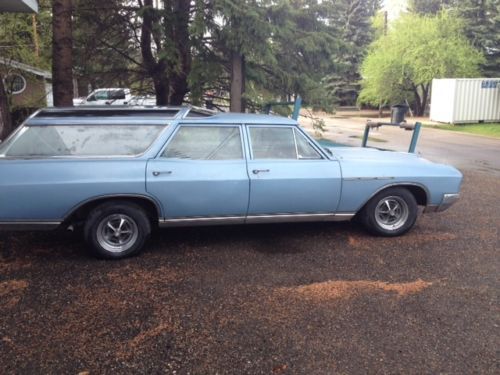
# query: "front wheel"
117 230
390 213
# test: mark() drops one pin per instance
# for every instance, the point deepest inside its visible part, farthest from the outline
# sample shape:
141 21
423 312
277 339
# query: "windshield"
80 140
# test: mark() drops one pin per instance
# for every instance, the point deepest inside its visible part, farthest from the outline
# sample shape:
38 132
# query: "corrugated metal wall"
473 100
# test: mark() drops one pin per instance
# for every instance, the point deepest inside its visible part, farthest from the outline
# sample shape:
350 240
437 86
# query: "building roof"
21 6
25 67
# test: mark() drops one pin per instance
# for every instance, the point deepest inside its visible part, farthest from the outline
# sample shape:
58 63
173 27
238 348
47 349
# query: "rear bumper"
448 201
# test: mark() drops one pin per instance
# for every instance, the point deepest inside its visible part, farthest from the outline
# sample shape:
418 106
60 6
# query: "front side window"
80 140
280 143
205 143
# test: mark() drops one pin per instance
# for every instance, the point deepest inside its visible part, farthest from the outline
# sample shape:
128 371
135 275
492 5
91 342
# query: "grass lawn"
490 130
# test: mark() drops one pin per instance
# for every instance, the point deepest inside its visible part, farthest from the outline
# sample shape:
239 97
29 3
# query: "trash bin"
398 113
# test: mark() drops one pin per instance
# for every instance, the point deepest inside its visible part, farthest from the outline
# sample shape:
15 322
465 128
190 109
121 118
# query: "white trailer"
465 100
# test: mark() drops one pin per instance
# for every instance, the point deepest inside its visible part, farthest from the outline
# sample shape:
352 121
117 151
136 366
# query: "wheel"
117 230
390 213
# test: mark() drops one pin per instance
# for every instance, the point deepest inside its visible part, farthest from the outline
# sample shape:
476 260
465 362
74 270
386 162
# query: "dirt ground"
276 299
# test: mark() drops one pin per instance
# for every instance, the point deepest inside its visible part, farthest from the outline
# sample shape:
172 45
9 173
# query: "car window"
205 143
273 143
81 140
117 94
101 95
304 148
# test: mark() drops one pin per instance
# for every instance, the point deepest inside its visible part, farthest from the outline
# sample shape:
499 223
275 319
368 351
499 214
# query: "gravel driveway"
277 299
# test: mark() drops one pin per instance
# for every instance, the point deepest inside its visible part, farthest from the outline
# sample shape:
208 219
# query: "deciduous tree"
401 65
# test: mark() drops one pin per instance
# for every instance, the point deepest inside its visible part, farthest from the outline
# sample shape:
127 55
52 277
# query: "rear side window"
205 143
81 140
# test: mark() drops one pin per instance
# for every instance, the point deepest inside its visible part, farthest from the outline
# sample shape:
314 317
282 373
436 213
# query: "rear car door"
201 175
289 175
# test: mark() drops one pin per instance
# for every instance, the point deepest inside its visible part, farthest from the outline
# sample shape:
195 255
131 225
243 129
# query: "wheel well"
417 191
81 213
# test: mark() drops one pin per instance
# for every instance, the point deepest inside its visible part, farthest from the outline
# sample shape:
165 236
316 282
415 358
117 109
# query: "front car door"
290 178
201 176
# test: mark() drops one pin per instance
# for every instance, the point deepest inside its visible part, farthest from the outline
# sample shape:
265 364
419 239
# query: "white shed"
465 100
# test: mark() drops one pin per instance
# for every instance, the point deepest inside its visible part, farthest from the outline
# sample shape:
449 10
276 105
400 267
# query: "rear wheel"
117 230
390 213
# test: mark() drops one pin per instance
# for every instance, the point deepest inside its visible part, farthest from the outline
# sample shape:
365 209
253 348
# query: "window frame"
203 125
294 130
16 74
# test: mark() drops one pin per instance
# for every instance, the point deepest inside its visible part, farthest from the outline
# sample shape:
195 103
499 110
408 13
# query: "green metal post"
296 108
365 136
414 138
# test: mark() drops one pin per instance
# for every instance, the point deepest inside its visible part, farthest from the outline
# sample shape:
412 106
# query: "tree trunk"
425 98
162 89
237 82
62 44
178 81
5 120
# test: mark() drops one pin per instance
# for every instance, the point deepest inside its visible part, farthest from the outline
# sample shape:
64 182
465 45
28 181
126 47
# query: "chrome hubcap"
391 213
117 233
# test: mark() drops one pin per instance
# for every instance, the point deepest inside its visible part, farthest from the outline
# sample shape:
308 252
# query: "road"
464 151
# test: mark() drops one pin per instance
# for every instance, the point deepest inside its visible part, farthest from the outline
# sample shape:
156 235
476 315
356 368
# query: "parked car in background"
119 172
148 100
110 96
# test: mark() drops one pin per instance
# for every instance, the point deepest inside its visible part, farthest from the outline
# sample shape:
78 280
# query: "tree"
482 27
353 20
17 41
62 61
401 65
428 7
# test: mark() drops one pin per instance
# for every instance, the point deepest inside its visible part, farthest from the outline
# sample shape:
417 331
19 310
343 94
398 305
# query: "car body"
107 96
181 166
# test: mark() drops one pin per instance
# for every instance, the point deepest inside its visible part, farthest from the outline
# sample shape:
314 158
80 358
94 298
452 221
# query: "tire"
117 230
390 213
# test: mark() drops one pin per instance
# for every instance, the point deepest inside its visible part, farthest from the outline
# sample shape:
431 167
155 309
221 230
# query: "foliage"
401 65
482 27
428 7
353 22
17 37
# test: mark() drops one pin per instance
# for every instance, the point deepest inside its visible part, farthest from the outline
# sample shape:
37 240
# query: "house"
19 6
29 87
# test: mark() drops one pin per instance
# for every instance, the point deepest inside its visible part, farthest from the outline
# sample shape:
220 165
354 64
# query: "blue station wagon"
118 172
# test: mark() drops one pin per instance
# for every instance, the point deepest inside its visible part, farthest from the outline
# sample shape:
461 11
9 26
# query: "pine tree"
353 19
482 27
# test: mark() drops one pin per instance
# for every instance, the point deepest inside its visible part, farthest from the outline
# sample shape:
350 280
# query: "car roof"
148 115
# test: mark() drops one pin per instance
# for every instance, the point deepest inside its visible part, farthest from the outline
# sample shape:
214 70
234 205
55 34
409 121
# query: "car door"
289 176
201 175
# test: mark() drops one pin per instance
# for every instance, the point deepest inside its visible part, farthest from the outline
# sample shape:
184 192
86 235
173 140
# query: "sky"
394 7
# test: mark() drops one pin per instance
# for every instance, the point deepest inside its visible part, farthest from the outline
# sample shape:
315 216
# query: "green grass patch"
490 130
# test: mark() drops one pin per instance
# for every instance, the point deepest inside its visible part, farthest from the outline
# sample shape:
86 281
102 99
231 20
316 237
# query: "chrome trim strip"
297 218
188 221
28 225
368 178
113 196
255 219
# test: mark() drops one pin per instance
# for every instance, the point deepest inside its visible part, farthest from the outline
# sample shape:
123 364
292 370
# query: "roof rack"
169 112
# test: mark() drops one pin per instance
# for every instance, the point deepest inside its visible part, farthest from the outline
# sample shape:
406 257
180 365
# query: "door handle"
257 171
157 173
